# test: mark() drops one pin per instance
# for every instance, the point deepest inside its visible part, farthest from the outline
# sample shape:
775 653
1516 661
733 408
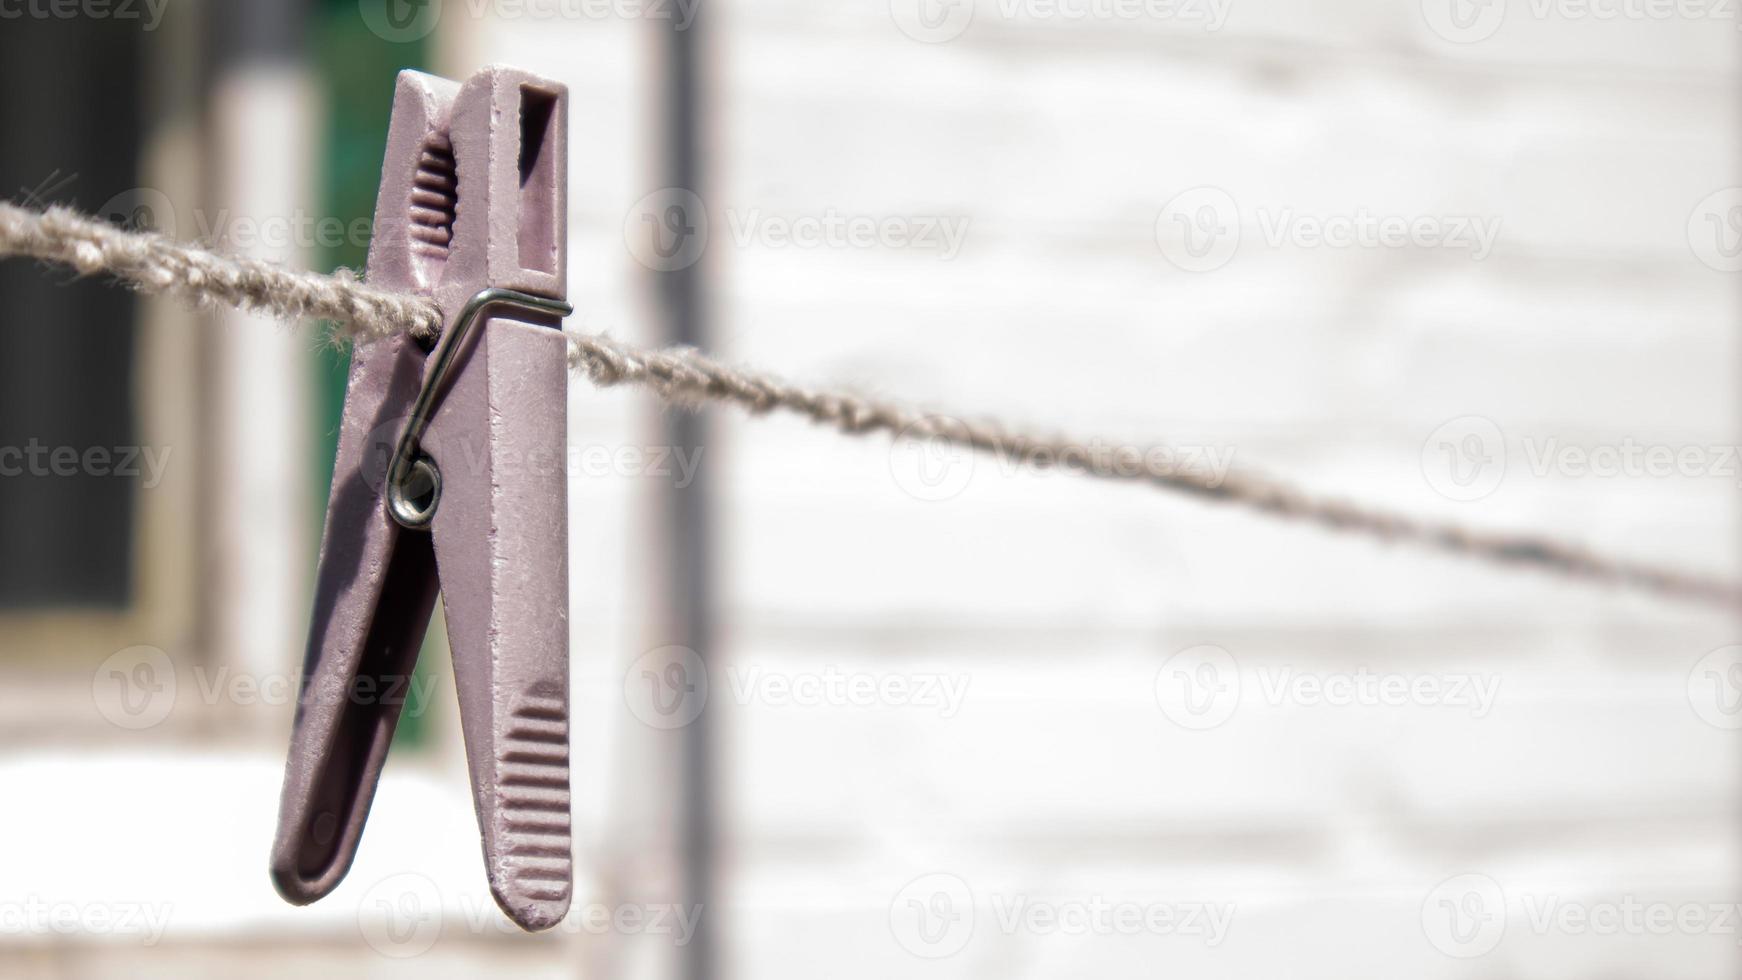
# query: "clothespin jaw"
450 477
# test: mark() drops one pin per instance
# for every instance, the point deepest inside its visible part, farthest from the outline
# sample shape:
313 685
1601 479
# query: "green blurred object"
357 69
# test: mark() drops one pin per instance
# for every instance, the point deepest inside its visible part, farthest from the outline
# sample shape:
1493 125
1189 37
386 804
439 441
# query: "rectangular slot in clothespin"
447 481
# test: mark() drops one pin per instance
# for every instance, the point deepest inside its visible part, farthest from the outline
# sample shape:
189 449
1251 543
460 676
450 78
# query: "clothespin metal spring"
416 508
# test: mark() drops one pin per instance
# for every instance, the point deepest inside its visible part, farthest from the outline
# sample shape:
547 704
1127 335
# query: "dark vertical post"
72 116
683 511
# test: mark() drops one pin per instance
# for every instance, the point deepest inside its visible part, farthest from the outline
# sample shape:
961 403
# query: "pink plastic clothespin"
437 487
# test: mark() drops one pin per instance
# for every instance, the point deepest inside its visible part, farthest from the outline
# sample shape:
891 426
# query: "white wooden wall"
1596 319
1580 819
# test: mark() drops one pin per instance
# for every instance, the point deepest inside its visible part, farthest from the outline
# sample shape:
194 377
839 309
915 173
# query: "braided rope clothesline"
155 264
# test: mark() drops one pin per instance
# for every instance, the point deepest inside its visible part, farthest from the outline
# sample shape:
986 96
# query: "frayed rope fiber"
155 264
